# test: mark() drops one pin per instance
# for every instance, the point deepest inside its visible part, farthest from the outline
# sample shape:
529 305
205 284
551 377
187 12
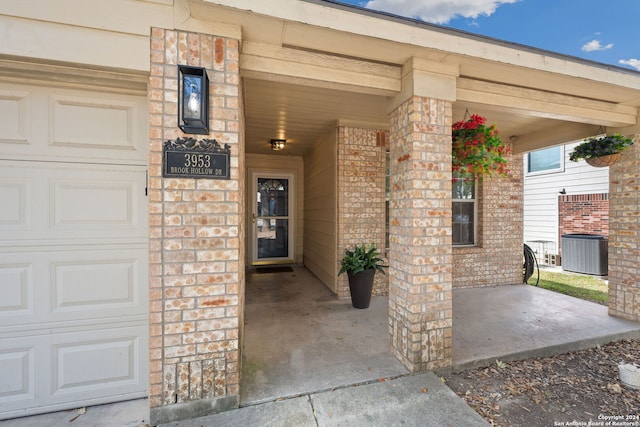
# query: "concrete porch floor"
520 322
300 340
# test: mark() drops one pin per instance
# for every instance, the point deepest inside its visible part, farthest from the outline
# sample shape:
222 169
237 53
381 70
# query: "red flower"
477 148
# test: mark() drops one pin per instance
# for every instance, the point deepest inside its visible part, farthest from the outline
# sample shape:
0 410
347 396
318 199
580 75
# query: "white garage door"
73 249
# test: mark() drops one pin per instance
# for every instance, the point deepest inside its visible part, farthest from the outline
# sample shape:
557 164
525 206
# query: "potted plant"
601 151
477 149
361 264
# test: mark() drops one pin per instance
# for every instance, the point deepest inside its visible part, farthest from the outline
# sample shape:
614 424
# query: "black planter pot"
361 286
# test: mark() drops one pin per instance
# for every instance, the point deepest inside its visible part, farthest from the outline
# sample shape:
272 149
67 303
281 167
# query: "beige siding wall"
275 164
497 258
320 241
108 34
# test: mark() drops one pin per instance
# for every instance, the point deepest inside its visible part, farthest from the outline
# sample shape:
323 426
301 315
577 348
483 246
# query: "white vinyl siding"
541 191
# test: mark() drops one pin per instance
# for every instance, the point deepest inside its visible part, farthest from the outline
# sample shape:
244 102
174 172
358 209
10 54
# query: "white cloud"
438 11
595 45
635 63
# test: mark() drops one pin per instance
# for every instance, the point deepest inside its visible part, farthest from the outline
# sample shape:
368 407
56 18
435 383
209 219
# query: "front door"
272 218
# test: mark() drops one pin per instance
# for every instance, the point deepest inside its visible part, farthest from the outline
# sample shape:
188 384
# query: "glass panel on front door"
272 220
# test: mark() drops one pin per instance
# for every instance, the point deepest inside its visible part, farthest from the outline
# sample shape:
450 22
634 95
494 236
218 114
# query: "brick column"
361 195
195 248
624 235
420 255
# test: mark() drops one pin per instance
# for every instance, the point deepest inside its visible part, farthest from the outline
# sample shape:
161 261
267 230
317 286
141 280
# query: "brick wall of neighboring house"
361 195
497 257
195 236
583 213
624 235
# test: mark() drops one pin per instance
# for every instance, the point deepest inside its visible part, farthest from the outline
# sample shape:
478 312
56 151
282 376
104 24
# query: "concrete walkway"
131 413
310 359
414 400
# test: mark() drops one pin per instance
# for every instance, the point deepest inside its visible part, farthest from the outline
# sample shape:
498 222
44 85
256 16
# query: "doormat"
262 270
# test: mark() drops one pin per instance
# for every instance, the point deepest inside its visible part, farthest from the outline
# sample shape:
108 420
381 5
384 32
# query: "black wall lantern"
193 100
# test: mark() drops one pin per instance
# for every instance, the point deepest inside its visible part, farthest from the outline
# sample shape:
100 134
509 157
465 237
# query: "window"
547 160
463 197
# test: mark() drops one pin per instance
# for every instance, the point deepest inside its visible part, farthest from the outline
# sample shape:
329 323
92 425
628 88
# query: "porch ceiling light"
193 100
278 144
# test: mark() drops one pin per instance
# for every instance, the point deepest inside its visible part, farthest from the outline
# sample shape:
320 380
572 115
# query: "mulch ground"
569 389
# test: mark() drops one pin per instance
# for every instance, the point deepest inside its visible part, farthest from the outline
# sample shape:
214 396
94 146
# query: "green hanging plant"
599 146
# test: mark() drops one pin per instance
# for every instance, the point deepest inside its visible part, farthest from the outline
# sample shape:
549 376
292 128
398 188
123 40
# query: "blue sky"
604 31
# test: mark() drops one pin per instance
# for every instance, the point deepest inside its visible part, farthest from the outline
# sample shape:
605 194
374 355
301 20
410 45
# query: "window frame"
476 225
559 169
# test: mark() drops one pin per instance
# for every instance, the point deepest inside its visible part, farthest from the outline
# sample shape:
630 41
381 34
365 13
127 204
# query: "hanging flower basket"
477 149
601 151
604 161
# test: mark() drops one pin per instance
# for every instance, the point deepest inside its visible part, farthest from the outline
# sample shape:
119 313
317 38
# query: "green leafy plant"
477 149
600 146
361 258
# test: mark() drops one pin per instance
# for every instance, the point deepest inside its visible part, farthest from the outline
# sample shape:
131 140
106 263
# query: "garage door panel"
58 370
14 116
17 373
96 283
16 288
72 286
88 123
93 203
80 367
46 124
15 194
73 202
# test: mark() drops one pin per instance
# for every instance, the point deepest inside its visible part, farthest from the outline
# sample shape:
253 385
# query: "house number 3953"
197 160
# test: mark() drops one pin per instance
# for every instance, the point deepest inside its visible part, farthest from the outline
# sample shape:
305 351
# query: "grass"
590 288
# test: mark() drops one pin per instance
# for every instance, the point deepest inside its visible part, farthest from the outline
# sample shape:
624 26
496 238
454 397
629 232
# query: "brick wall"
497 257
361 196
420 260
195 251
583 213
624 235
